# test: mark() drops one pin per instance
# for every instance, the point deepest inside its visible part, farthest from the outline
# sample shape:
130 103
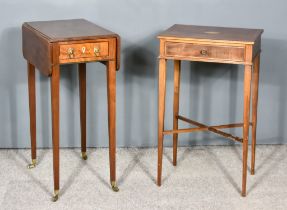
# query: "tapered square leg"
111 90
246 119
176 88
32 110
82 92
255 83
161 109
55 100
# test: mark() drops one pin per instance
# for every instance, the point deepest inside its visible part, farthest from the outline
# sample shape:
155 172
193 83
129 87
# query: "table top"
221 34
42 40
69 30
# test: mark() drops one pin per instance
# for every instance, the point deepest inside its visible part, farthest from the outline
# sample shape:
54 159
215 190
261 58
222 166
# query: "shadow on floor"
136 161
267 166
21 162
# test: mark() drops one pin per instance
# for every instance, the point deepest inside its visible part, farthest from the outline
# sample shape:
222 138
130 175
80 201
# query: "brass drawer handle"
96 51
71 52
203 52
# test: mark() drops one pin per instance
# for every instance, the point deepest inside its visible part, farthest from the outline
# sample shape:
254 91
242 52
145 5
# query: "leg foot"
114 186
32 111
111 90
176 107
33 164
84 156
55 196
246 119
161 108
255 82
55 106
82 93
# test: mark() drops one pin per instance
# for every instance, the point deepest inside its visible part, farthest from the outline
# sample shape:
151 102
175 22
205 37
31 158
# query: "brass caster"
33 164
84 156
56 196
114 186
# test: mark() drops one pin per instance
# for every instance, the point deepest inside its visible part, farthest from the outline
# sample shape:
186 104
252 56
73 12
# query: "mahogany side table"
210 44
47 45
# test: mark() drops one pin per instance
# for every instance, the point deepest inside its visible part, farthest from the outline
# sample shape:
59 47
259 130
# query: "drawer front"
84 52
204 52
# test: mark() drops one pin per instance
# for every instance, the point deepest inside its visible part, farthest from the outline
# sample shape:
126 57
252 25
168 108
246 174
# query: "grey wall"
211 93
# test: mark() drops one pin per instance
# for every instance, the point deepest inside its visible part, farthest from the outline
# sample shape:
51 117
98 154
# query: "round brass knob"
203 52
71 52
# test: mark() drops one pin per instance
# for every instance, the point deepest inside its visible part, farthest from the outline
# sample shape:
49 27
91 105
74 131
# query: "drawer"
84 51
204 52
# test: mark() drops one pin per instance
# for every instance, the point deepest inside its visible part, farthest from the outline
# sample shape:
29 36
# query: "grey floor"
206 177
